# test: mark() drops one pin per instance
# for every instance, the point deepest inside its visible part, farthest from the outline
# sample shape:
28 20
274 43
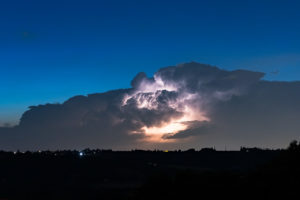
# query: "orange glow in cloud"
183 104
157 133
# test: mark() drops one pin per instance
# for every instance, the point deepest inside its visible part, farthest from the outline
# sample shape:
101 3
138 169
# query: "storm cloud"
189 105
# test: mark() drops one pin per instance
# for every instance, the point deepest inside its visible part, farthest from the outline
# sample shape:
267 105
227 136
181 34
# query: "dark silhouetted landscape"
105 174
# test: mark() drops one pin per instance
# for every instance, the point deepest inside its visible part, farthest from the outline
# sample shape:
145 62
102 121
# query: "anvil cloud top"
184 105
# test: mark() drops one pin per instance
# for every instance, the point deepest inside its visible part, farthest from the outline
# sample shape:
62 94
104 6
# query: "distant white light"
80 154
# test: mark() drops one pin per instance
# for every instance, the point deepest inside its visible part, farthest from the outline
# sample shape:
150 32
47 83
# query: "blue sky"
52 50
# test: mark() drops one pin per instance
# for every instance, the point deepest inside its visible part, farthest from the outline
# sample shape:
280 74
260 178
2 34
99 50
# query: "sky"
53 50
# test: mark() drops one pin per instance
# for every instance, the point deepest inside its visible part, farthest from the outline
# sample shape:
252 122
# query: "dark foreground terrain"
99 174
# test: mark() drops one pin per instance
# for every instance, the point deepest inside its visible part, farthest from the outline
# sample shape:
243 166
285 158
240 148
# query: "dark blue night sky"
52 50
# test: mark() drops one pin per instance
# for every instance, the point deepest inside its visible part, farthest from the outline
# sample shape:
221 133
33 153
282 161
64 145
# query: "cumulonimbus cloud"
192 104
